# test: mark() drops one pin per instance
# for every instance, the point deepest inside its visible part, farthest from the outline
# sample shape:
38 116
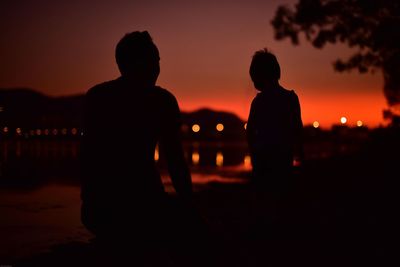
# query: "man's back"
123 124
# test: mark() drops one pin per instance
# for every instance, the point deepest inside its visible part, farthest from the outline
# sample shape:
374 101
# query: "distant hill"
207 119
28 109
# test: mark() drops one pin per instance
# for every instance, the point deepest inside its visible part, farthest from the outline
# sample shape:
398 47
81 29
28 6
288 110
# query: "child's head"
264 69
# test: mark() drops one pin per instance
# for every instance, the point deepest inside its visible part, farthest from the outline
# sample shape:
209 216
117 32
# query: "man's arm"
88 145
171 145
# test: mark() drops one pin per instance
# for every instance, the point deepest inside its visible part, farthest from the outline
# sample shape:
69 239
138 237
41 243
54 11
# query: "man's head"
264 69
138 57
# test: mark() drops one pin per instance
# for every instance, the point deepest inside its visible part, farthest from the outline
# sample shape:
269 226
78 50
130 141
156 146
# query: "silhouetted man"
122 192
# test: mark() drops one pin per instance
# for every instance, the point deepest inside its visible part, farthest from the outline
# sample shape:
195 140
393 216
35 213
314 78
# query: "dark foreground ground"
338 212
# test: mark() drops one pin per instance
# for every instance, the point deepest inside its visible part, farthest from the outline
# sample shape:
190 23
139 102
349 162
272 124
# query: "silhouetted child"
274 130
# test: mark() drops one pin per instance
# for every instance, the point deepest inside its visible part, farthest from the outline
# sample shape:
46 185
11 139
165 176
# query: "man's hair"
135 50
264 65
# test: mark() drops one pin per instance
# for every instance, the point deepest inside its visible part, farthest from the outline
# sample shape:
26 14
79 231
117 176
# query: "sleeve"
171 146
297 128
250 129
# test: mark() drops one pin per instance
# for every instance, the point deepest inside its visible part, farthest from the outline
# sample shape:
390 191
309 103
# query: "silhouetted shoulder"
288 92
101 89
166 95
274 96
167 102
293 99
293 96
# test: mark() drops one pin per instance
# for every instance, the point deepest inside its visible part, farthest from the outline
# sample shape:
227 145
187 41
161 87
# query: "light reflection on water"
195 158
69 149
40 193
30 163
33 163
37 162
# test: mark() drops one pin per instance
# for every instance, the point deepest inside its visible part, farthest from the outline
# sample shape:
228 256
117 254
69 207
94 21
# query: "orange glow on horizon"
326 109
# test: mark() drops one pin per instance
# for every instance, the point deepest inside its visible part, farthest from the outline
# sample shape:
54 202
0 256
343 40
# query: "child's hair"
264 66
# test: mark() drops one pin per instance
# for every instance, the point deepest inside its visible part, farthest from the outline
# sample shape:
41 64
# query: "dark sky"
65 47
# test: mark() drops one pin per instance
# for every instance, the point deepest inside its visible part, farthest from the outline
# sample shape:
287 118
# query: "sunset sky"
66 47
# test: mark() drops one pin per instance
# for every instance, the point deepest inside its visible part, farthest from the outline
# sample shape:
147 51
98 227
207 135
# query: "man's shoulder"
165 94
101 88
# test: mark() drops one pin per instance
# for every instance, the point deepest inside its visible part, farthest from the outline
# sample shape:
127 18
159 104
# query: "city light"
1 109
359 123
38 132
296 162
196 128
18 131
185 128
5 129
64 131
343 120
46 132
74 131
220 127
315 124
245 126
55 131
